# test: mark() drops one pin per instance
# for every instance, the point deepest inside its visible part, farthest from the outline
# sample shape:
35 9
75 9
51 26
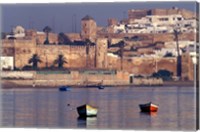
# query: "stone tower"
101 53
88 28
187 67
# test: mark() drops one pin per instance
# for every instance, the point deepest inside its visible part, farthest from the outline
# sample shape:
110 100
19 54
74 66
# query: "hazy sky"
59 16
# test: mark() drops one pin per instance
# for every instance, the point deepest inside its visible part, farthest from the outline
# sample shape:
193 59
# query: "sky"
66 17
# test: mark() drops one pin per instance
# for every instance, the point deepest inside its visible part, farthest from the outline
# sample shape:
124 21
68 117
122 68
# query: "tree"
47 29
121 52
179 65
88 43
35 59
61 60
63 39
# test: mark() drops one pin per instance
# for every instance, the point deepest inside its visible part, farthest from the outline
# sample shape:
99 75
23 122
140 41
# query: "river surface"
117 108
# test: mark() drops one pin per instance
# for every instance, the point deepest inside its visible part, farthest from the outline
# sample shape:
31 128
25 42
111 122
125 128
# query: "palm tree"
60 61
179 67
121 52
34 60
47 29
88 43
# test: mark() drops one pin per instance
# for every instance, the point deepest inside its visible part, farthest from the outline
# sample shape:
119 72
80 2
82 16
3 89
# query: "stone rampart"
18 75
54 78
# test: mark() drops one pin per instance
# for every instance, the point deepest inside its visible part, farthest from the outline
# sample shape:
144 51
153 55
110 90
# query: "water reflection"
86 122
118 108
152 114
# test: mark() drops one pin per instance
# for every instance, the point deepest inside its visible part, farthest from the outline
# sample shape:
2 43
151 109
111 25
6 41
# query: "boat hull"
64 88
148 107
100 87
87 111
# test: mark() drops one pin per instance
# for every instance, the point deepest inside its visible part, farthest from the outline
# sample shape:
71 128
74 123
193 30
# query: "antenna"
53 24
29 22
75 22
11 26
72 23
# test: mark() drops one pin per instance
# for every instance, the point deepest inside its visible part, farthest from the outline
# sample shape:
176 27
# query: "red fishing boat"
149 107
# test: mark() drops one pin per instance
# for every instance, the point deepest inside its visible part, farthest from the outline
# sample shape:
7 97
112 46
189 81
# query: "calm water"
118 108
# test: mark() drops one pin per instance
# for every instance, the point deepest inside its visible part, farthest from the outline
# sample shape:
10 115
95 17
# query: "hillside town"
146 42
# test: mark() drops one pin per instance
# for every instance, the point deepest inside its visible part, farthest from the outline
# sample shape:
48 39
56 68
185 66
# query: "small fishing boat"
100 87
87 111
149 107
64 88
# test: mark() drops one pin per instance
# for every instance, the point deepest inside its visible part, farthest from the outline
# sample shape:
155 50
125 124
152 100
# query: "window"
179 18
163 19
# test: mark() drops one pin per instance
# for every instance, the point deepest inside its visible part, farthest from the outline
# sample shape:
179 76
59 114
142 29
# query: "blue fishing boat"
100 87
64 88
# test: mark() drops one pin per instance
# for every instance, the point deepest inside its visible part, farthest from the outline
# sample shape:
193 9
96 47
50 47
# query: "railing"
95 72
53 72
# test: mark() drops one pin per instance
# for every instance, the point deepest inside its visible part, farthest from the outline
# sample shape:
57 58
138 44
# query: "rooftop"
87 17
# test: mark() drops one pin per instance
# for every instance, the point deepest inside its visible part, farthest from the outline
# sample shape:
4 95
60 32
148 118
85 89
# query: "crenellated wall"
53 38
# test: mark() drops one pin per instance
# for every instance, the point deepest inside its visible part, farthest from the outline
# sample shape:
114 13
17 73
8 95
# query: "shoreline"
8 84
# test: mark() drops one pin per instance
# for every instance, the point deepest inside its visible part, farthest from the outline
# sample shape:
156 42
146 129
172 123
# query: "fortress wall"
7 42
75 55
159 12
139 65
113 62
24 49
7 47
148 66
101 52
187 67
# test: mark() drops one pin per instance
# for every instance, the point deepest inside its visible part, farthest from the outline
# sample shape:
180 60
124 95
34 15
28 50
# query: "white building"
120 28
18 32
165 19
157 24
7 63
162 52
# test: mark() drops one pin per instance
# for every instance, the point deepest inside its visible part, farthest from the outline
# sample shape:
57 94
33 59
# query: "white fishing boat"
87 111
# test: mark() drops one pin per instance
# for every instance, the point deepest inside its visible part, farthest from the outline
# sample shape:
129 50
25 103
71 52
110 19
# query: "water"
118 108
